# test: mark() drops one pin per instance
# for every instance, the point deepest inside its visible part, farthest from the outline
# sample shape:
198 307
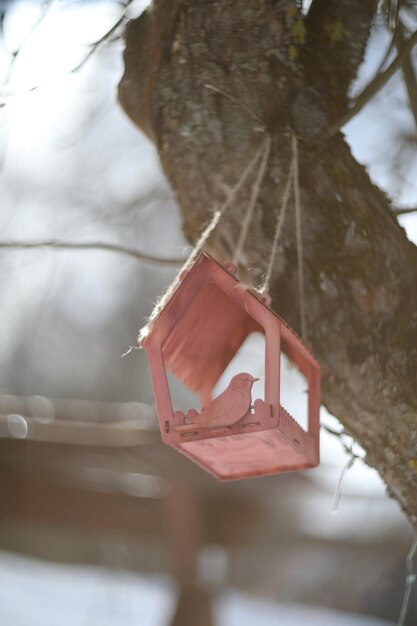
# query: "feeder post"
314 408
162 394
272 364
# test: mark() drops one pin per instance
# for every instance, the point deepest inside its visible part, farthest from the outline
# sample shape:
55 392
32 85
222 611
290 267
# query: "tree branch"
404 211
379 81
104 38
93 47
407 70
93 245
337 35
15 53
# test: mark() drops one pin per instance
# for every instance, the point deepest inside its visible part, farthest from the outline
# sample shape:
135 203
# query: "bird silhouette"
231 405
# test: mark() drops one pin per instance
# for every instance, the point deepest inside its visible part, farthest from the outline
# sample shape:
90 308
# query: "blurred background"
99 522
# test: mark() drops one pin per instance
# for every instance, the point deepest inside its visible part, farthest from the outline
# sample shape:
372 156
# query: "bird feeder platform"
194 336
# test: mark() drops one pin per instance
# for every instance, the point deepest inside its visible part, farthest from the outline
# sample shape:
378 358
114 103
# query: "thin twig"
393 14
103 39
338 492
332 431
407 70
92 245
340 434
385 58
92 49
404 211
15 54
376 84
410 579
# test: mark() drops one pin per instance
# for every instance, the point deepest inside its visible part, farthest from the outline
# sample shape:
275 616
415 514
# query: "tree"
291 74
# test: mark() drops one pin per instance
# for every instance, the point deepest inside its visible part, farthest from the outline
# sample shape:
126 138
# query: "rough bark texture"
361 271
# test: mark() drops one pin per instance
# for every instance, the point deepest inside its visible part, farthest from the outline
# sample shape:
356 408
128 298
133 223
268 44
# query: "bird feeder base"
282 447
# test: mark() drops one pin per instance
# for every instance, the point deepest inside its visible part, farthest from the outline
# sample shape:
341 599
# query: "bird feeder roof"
206 319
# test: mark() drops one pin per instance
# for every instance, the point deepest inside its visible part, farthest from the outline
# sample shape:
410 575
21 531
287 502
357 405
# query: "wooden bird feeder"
195 336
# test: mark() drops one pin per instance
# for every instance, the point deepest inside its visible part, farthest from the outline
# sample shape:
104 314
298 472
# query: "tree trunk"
291 75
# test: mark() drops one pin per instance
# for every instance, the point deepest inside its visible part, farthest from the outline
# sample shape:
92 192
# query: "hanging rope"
252 202
293 176
261 153
280 223
299 237
219 213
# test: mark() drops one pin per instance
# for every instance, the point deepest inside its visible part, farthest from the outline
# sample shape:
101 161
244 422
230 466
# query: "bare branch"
93 245
15 53
404 211
376 84
407 71
93 47
103 39
337 36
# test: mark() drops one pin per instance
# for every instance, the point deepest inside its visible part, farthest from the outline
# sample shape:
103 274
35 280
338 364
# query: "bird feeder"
195 336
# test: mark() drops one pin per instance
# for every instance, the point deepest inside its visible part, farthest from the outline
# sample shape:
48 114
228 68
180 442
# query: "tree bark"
360 269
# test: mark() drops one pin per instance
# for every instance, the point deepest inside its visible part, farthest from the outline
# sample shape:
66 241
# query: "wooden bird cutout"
231 405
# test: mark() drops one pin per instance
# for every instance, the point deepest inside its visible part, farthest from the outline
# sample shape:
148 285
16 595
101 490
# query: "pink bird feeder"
195 336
